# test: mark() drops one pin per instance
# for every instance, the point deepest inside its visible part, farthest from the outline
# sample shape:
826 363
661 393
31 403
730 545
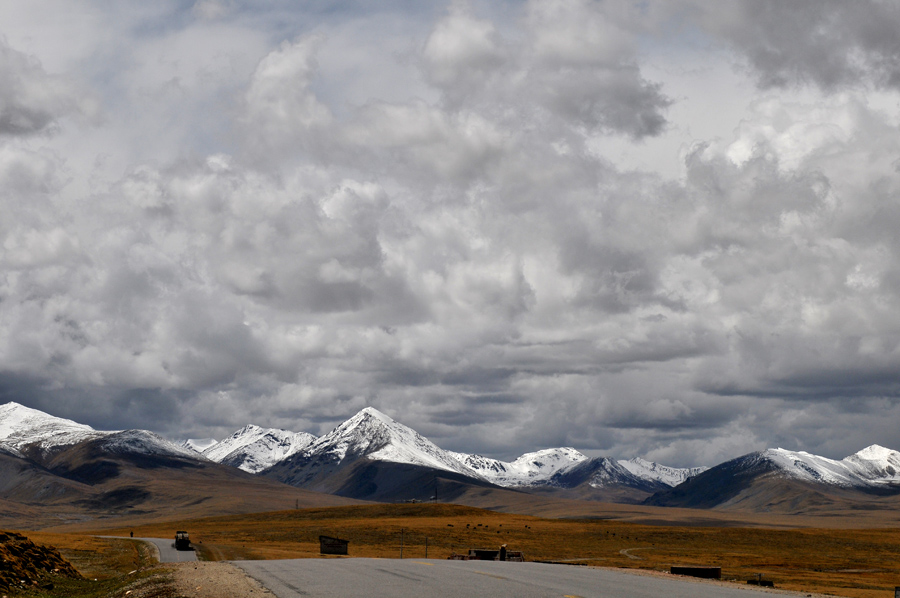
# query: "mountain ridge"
372 456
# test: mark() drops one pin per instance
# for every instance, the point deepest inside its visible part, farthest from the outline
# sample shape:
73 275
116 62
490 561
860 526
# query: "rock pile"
24 563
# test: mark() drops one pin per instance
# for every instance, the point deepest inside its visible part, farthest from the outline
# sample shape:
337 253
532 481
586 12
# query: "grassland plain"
109 568
845 562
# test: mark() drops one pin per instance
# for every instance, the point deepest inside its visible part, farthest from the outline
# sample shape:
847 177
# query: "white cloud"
280 106
444 226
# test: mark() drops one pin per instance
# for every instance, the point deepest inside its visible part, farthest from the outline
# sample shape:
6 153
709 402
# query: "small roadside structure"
694 571
482 554
768 583
329 545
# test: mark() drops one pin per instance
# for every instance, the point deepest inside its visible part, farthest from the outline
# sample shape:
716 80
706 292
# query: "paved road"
412 578
167 552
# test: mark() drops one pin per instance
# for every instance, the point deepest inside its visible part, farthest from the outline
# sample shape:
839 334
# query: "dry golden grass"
845 562
98 558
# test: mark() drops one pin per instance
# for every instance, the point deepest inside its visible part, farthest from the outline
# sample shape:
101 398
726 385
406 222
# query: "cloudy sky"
665 228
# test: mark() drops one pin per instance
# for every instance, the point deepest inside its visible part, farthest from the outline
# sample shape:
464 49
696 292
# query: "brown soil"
214 580
24 563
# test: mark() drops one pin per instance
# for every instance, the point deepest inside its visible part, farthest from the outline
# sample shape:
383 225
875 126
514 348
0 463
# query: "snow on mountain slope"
877 464
376 436
198 445
11 451
670 476
528 470
872 466
143 442
253 448
606 472
20 426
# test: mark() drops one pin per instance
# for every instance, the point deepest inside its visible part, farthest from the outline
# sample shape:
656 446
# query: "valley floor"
857 563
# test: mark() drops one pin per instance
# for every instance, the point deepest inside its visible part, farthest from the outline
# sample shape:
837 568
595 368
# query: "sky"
661 228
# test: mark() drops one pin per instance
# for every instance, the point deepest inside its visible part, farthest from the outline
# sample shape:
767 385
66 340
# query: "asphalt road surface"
417 578
167 552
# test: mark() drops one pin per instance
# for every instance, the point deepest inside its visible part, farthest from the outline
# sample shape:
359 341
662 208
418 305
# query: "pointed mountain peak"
372 412
254 448
248 429
373 435
874 453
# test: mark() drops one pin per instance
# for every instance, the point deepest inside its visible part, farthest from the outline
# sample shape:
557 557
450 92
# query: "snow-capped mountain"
254 449
21 426
528 470
873 466
141 442
786 481
670 476
603 473
372 434
198 445
373 457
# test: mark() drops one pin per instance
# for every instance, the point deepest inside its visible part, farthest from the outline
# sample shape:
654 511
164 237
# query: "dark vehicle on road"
182 541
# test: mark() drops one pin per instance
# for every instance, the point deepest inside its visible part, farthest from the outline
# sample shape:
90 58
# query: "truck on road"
182 541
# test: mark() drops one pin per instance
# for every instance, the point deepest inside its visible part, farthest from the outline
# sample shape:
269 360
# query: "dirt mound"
24 563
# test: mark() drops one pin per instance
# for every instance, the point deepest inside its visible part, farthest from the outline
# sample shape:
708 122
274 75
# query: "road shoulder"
204 579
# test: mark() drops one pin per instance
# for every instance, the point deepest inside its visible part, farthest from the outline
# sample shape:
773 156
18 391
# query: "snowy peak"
246 435
873 466
23 429
528 470
563 466
253 448
606 472
143 442
875 453
372 434
20 426
198 445
670 476
548 461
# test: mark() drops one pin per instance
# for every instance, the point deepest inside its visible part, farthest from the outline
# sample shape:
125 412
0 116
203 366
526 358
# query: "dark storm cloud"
832 44
103 408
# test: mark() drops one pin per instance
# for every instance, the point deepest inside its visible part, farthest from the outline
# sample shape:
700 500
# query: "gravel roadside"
214 579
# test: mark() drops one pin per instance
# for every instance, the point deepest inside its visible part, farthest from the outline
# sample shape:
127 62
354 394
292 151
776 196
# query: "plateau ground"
857 563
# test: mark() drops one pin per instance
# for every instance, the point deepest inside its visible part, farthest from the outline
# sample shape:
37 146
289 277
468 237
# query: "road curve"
165 549
414 578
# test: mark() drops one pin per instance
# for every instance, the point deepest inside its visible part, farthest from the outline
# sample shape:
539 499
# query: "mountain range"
72 472
788 481
373 457
56 471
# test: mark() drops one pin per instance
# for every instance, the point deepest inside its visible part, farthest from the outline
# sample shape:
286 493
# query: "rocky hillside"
25 564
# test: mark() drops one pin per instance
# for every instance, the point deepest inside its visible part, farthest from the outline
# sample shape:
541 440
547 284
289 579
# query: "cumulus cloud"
31 100
280 106
830 44
462 252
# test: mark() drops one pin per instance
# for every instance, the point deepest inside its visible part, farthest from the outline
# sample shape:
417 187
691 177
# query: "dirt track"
214 580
